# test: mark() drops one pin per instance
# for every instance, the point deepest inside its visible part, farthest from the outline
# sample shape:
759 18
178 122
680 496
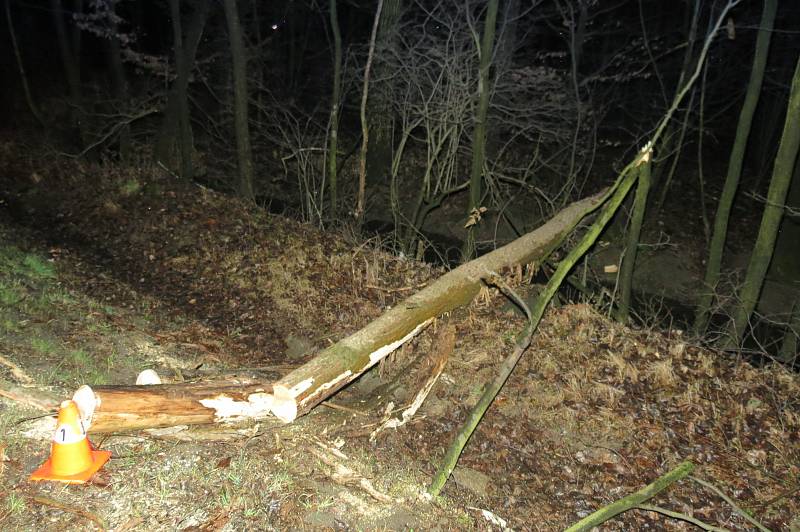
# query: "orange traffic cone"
72 458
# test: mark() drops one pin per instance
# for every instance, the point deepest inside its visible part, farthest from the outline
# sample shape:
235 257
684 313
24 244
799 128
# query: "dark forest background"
482 119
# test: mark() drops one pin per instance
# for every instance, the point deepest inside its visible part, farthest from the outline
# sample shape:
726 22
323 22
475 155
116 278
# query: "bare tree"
530 112
362 168
735 161
70 58
177 124
479 134
243 149
21 67
335 102
379 108
771 219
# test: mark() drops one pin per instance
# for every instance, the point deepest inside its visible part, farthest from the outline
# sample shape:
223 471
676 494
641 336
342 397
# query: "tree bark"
128 408
240 97
479 134
632 246
166 141
113 408
770 221
68 60
379 112
735 166
333 177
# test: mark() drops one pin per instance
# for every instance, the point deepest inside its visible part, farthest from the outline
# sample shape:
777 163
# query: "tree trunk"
479 134
128 408
119 85
135 407
69 62
788 350
735 167
166 144
335 97
185 143
379 112
632 246
243 150
362 160
771 219
21 67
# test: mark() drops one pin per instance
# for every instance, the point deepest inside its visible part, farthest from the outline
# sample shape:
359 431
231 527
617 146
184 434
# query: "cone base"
99 458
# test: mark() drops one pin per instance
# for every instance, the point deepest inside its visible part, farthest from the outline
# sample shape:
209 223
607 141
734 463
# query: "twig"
335 406
393 290
790 491
16 371
730 501
47 501
342 474
445 343
111 132
682 517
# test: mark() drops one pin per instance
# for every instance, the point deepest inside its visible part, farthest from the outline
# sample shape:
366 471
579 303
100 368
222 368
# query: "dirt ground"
106 271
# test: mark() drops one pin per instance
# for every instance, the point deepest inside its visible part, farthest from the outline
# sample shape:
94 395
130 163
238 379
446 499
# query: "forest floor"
106 271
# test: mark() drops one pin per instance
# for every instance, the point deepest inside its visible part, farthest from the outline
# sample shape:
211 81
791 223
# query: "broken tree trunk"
127 408
305 387
115 408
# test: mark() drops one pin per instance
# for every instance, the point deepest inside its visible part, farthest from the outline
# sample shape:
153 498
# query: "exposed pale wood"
125 408
116 408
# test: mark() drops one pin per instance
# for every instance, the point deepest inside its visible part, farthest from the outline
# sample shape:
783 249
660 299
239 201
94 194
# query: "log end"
87 402
284 405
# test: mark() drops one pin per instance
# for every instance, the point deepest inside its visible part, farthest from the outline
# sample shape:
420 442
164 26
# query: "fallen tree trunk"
305 387
113 408
126 408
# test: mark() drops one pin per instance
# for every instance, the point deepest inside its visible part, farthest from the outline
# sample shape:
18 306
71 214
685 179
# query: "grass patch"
15 503
9 325
37 268
44 346
79 358
58 296
17 263
130 187
11 294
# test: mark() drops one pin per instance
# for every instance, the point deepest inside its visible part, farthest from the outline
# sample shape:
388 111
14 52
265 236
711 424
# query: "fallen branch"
345 476
39 399
47 501
633 500
730 501
476 414
442 349
682 517
16 371
619 191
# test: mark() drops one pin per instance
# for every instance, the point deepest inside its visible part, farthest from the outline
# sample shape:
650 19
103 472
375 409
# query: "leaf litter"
151 272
